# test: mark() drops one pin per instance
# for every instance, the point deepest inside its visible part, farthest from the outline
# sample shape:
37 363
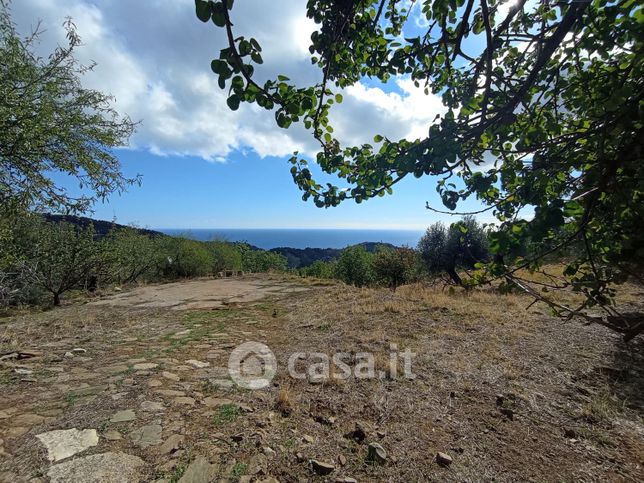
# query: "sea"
268 238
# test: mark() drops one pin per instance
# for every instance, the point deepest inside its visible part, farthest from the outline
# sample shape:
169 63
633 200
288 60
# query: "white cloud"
154 57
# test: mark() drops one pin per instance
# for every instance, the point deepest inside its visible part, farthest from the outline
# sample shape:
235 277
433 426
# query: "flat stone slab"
199 471
197 364
123 416
148 435
199 294
63 443
145 366
98 468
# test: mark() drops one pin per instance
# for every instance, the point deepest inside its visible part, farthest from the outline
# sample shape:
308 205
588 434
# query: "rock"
69 354
22 371
197 364
376 453
215 402
570 433
358 434
154 383
299 456
170 393
112 435
148 435
257 464
443 459
145 366
188 401
171 376
28 419
171 444
308 439
152 407
342 460
268 451
98 468
199 471
123 416
79 350
322 468
346 479
508 413
63 443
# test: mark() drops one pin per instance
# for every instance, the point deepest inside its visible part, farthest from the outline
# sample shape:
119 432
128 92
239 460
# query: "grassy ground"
508 393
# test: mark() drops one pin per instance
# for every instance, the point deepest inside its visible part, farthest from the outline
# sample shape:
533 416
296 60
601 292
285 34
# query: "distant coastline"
270 238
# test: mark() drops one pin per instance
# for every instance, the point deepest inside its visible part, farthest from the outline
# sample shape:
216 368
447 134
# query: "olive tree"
542 123
463 245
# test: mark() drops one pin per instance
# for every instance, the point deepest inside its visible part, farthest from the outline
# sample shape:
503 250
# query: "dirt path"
135 387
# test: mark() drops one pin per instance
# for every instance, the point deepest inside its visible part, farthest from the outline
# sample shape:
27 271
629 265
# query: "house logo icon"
252 365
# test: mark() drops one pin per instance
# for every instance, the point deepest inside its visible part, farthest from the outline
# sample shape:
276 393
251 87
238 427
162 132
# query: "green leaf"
233 102
202 8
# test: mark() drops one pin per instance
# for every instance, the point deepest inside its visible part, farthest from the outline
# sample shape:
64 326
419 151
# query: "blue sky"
204 166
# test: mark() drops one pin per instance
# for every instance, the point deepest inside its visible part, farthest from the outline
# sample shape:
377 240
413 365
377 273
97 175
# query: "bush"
394 266
183 258
319 269
226 256
354 266
254 260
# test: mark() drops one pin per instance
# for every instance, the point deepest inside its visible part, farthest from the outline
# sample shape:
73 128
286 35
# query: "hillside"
303 257
101 227
494 392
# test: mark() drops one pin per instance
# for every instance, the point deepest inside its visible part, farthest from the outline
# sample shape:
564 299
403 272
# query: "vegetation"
54 257
462 245
542 123
50 124
395 267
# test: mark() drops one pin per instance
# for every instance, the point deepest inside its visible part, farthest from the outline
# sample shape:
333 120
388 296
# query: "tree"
61 257
543 120
463 245
354 266
130 254
394 266
50 124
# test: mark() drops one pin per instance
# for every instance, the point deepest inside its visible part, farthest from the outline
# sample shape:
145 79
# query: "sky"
202 165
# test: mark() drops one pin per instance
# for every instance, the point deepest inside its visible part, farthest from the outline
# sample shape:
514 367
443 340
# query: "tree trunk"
56 299
451 271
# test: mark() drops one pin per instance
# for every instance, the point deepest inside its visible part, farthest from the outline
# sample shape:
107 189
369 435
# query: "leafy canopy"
50 124
543 119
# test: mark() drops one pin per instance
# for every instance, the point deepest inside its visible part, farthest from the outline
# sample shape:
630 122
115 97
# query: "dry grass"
555 379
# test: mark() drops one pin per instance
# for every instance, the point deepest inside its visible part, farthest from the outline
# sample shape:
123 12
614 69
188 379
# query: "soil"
501 392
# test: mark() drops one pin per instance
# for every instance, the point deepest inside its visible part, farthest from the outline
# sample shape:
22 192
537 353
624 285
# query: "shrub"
354 266
183 258
394 266
320 269
226 256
